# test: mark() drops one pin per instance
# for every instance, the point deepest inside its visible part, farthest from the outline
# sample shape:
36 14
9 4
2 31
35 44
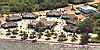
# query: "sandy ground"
97 1
5 45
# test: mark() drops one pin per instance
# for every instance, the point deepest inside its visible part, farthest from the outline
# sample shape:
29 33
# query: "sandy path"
97 1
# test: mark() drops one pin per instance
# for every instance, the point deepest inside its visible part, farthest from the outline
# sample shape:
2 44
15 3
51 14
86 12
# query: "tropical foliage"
30 5
90 25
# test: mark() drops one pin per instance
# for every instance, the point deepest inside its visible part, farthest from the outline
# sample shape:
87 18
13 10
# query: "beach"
24 45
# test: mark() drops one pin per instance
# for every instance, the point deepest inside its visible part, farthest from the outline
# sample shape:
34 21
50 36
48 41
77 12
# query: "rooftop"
9 25
88 8
14 18
29 16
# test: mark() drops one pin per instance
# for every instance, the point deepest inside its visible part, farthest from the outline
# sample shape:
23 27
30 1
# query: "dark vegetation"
7 6
90 25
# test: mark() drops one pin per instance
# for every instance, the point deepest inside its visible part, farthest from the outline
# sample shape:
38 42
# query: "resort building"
87 9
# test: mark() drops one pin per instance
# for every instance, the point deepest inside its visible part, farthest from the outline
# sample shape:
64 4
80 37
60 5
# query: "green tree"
85 28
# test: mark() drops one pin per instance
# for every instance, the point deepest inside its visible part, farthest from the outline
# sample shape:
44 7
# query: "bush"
8 34
47 39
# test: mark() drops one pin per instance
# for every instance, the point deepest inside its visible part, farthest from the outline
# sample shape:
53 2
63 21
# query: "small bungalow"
29 16
14 18
9 25
53 13
70 19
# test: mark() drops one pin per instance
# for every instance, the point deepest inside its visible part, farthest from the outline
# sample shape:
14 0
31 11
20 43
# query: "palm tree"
39 35
14 32
84 39
24 36
32 36
33 41
62 37
74 37
47 38
8 33
8 30
85 28
48 35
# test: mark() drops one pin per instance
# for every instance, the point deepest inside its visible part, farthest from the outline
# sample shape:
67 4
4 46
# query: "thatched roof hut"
70 19
9 25
53 13
29 16
14 18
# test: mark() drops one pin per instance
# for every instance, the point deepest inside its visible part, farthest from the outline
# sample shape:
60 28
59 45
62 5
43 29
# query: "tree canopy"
31 5
99 7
